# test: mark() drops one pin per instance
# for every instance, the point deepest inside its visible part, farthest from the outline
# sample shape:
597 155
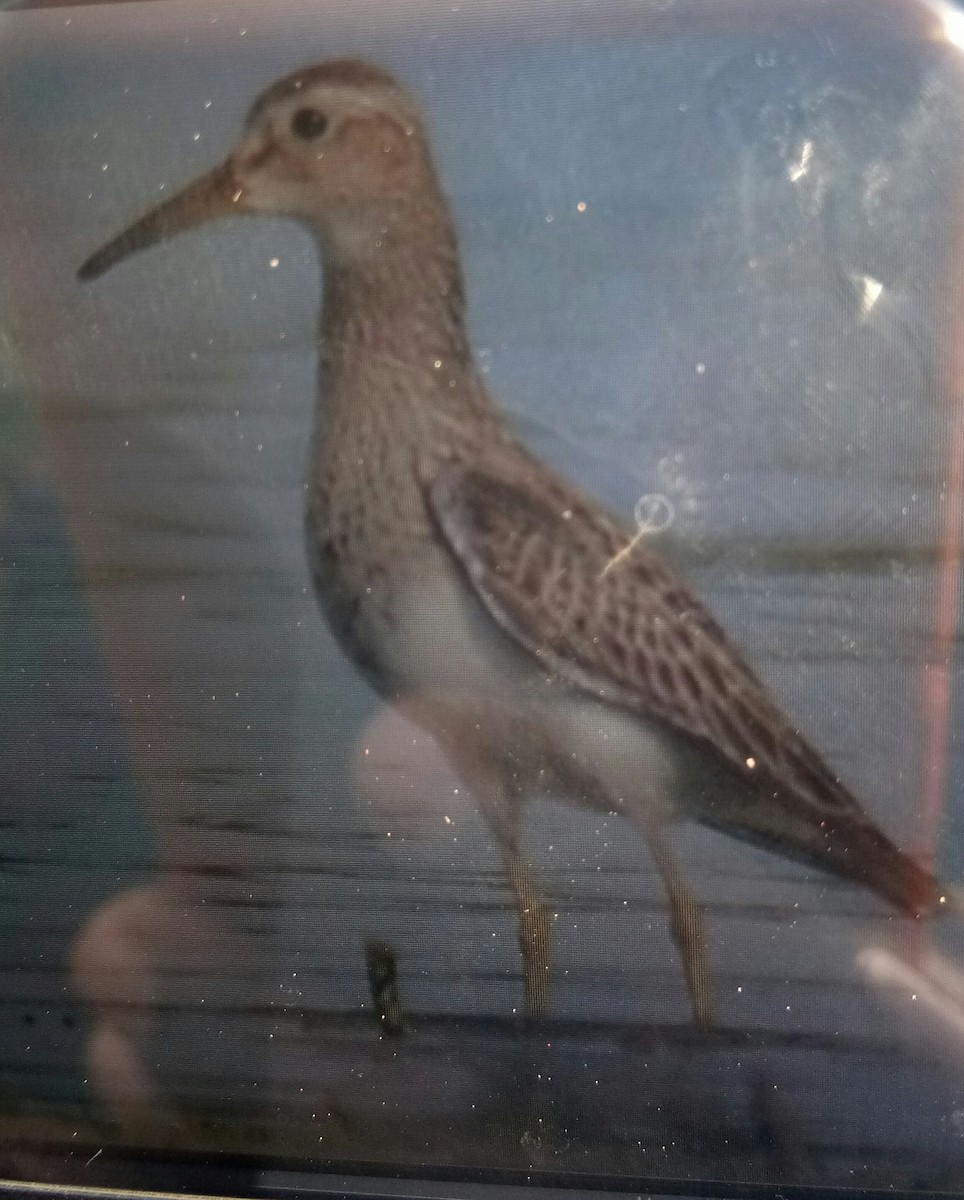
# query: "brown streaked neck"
393 290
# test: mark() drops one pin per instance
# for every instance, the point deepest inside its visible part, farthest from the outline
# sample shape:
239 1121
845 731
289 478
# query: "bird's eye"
308 124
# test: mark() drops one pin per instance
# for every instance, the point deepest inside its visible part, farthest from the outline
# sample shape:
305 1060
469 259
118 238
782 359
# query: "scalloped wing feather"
568 583
555 573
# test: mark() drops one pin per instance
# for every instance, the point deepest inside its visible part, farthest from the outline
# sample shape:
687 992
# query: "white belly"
456 661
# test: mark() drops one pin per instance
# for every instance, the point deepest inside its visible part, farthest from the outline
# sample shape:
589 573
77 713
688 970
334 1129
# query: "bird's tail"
845 843
866 855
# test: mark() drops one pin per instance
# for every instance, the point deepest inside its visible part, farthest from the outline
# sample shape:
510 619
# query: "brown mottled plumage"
468 579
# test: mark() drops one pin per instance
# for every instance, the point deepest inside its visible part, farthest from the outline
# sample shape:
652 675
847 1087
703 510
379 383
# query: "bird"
547 648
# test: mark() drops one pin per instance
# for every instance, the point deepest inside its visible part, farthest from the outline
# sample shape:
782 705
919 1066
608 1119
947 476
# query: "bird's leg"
455 727
686 926
501 805
535 932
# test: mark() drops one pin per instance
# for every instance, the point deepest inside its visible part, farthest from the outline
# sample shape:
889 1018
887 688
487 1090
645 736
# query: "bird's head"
339 146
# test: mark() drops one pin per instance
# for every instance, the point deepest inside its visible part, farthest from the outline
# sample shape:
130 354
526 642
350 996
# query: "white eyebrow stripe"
387 101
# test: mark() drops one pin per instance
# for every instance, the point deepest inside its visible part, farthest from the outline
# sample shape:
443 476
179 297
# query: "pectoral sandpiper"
468 579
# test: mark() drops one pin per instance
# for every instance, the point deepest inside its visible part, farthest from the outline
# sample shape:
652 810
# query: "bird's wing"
604 613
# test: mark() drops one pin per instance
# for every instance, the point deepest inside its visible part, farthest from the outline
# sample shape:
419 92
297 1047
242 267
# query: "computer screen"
481 507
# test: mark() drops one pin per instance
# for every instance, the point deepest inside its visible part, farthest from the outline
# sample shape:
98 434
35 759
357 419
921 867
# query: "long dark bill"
213 195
